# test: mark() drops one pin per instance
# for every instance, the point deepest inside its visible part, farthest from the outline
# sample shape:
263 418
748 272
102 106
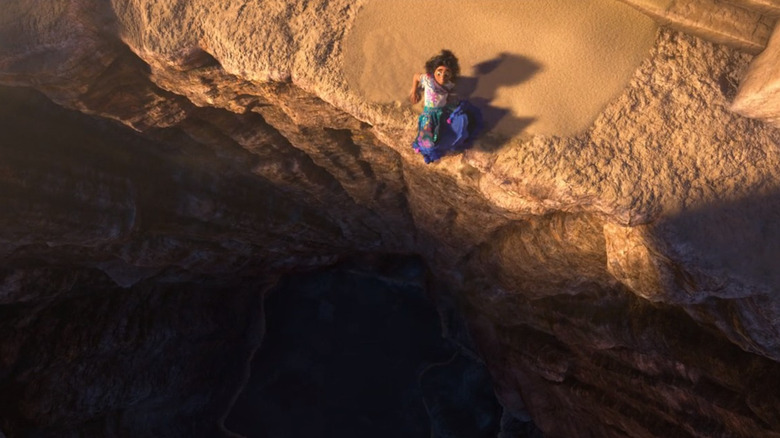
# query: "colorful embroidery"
435 95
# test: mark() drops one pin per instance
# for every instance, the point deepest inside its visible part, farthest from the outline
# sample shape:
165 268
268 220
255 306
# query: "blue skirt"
448 129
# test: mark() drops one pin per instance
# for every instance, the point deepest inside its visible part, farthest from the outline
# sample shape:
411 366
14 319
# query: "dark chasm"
136 301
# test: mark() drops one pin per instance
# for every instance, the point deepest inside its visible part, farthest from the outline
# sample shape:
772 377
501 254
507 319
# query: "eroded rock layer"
620 282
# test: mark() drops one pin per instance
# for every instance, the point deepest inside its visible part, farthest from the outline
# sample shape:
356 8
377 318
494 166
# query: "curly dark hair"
445 58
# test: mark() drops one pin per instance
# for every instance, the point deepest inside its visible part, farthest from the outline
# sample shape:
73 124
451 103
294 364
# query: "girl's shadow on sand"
505 70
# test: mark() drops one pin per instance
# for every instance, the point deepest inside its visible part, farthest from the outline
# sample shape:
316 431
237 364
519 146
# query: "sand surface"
533 66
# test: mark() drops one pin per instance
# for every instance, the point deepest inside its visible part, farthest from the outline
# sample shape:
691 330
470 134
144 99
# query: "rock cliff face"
618 282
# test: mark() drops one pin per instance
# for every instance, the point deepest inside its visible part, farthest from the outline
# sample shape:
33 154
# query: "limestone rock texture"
746 24
618 282
758 92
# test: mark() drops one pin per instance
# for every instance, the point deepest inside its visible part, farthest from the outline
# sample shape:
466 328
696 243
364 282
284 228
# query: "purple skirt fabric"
444 130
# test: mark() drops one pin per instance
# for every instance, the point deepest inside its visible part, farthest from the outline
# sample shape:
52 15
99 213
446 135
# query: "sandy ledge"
536 66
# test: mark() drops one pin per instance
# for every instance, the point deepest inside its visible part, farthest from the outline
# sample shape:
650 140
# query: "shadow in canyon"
127 310
356 350
488 77
371 359
647 363
739 238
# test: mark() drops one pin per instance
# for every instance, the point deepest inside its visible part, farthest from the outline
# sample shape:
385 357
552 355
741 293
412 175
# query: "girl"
436 132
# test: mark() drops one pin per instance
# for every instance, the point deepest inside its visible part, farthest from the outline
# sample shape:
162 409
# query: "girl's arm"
414 95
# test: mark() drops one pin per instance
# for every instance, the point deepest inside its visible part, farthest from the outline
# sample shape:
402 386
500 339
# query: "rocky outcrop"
619 282
744 24
758 92
749 25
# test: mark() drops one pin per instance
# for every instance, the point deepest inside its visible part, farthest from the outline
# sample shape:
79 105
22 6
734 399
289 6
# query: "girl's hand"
414 96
